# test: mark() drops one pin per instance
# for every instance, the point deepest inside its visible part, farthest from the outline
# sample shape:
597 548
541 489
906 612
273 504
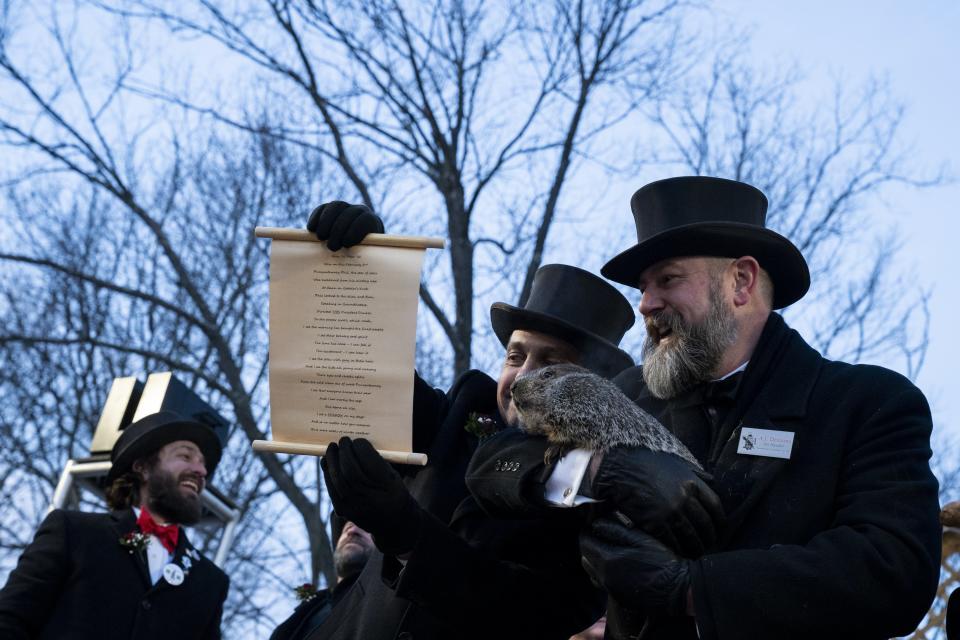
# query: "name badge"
765 442
173 574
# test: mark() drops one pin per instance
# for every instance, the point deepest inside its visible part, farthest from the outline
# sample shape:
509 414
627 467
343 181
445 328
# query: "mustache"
662 322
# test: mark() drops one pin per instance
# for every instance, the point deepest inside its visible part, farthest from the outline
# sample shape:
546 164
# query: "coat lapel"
774 394
781 388
124 522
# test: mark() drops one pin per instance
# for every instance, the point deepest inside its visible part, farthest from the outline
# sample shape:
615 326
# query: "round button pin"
173 574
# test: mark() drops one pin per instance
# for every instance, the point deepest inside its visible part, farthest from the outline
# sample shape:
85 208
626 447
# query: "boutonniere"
480 425
305 592
134 541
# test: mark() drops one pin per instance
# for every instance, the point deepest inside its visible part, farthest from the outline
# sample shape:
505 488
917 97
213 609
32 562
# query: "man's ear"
746 274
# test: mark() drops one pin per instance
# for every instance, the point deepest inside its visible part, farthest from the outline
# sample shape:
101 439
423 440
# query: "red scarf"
167 534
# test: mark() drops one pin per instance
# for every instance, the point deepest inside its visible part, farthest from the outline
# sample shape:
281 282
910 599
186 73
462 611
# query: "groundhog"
575 408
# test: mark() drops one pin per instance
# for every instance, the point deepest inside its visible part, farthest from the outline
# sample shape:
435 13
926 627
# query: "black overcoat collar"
774 394
775 390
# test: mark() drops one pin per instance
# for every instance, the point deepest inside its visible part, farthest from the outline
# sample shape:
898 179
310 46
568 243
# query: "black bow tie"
711 393
722 390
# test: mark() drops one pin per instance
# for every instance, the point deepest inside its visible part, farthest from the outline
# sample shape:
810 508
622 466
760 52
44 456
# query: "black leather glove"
343 225
638 571
662 494
366 490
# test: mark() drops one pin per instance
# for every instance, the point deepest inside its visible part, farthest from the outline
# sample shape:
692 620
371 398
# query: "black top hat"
576 306
703 216
152 432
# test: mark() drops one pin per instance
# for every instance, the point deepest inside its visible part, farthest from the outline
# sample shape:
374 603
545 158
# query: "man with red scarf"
131 573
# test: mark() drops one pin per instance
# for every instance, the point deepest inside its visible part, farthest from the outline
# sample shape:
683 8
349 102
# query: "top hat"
575 306
703 216
152 432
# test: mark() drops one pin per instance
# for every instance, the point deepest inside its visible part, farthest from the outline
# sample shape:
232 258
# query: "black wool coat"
469 576
76 582
841 540
299 624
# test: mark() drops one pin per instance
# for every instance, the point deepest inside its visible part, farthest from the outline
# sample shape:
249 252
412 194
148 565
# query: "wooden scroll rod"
374 239
301 448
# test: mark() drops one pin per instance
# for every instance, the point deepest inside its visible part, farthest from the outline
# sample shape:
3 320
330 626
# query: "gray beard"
695 353
349 563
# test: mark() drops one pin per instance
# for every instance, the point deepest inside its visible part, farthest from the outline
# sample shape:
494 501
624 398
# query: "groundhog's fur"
575 408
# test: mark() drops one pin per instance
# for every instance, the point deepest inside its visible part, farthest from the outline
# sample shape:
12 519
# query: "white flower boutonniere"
134 541
305 592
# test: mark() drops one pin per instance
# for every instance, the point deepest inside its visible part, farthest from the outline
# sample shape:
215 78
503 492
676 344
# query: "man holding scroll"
445 569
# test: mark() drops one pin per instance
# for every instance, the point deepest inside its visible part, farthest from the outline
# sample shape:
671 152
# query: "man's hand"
367 491
661 494
593 632
343 225
638 571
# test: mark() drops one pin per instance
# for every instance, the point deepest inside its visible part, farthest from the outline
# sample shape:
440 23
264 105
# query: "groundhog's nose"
516 390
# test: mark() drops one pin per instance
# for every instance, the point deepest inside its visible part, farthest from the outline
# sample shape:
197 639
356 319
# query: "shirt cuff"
564 482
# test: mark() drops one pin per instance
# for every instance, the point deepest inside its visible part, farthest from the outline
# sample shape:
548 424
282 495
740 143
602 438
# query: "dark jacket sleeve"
873 571
507 475
522 580
429 407
35 584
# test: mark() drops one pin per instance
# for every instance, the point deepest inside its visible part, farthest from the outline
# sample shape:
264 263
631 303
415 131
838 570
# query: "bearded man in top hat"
130 574
822 467
443 568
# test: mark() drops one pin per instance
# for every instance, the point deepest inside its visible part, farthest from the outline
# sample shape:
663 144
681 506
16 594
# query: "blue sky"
915 45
